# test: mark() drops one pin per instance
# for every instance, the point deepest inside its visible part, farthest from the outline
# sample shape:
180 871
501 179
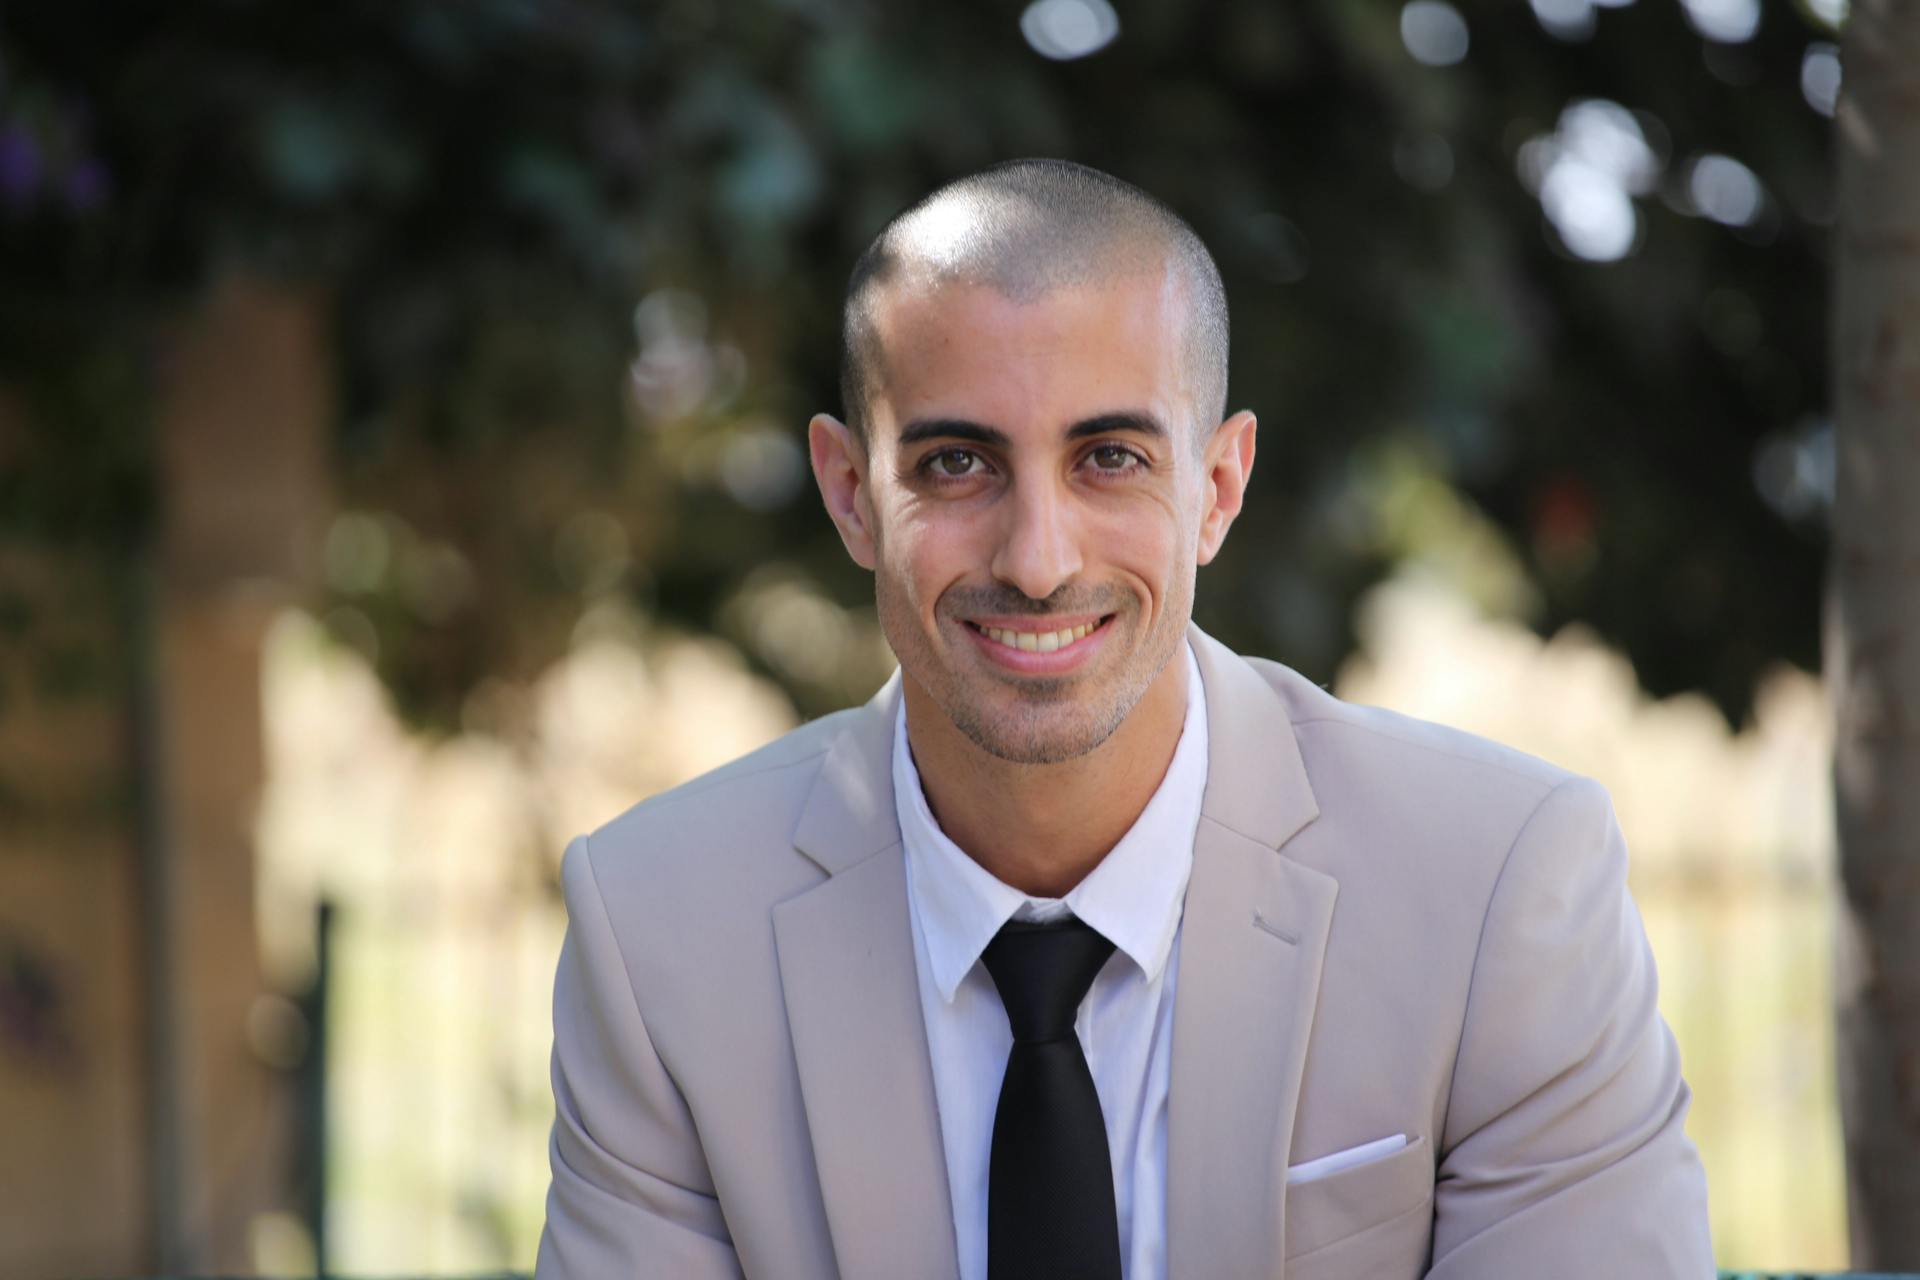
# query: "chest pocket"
1373 1220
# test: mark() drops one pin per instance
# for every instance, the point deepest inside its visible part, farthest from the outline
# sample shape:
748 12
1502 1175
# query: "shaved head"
1024 229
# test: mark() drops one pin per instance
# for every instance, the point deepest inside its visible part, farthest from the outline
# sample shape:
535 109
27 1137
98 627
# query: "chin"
1047 734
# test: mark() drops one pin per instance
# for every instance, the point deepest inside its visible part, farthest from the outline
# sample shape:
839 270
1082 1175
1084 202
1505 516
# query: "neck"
1042 827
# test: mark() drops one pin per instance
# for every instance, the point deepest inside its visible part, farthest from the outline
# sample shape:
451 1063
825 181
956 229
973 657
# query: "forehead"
967 350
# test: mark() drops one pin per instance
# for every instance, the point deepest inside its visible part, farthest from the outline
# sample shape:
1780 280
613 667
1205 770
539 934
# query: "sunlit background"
402 471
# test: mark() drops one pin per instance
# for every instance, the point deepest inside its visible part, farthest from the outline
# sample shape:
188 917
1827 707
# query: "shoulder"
719 842
1388 745
681 885
1412 808
761 783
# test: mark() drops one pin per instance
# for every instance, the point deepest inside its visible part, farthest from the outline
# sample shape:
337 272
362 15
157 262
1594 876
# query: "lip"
1060 661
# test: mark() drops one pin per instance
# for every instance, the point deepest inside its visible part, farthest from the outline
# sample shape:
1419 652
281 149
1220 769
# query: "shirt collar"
1132 897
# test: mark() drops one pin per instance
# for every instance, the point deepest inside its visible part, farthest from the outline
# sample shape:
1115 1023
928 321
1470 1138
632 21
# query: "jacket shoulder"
1391 742
741 809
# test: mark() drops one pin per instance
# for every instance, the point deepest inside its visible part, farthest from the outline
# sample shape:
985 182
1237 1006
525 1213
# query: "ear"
840 468
1228 462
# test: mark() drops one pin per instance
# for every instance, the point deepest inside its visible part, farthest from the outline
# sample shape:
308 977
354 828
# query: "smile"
1038 641
1056 644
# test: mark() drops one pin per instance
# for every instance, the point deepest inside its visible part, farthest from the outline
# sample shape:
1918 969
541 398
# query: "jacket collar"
849 815
1256 780
1253 937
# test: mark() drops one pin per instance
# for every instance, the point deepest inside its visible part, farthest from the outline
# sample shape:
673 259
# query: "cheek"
1145 543
923 559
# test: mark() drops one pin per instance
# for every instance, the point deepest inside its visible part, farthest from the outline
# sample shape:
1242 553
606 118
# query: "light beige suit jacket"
1391 928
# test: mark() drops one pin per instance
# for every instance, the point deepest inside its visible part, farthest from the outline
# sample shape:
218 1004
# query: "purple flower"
19 167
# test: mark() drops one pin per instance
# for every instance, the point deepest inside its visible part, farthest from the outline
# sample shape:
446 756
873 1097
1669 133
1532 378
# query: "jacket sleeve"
631 1192
1564 1150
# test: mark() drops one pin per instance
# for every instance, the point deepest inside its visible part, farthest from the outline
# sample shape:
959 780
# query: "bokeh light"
1820 77
1831 12
1570 20
1725 190
1725 21
1793 471
1434 33
1068 29
1586 173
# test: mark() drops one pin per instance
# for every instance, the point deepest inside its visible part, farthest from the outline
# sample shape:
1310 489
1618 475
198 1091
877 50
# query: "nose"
1039 550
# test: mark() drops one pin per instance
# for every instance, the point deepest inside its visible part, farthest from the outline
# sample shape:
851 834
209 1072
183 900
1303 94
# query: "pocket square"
1329 1164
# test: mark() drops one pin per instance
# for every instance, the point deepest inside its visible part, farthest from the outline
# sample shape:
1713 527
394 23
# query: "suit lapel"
848 975
1253 936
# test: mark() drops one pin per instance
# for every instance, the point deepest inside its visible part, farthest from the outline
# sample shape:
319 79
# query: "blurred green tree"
1568 262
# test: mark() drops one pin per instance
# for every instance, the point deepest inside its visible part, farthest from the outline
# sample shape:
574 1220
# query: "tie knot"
1042 972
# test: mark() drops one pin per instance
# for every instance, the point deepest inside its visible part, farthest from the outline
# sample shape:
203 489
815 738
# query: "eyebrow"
923 429
1140 424
951 429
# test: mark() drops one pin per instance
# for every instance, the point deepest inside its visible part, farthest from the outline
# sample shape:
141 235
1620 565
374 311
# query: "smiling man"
1089 948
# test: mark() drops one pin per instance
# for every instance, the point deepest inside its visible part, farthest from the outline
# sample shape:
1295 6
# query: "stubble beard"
1051 721
1029 735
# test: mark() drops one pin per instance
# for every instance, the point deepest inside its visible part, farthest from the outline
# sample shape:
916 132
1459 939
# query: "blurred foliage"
483 192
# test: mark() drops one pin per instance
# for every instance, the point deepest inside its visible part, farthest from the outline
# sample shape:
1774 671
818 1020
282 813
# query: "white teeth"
1038 641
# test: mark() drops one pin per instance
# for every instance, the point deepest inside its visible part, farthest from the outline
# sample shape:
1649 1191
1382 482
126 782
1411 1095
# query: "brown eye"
955 463
1111 457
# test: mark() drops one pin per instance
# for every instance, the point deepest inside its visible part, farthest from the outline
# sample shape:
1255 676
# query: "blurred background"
402 470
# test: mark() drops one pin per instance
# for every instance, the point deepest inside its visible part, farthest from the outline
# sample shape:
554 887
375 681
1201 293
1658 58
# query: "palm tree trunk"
1873 627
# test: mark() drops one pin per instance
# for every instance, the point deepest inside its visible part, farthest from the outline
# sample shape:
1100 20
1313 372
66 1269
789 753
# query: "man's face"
1038 503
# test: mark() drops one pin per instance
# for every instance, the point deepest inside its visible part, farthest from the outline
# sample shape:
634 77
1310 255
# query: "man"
1088 947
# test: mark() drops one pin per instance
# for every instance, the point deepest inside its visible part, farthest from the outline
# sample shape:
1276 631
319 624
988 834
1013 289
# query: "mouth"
1029 640
1051 645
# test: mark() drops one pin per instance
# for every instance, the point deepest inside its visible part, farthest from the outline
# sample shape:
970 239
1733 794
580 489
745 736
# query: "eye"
955 464
1113 457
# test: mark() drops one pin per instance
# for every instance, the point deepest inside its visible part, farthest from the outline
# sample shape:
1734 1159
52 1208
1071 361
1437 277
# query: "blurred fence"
1745 973
440 856
438 1085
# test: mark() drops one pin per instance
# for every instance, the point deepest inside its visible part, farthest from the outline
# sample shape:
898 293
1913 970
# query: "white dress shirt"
1125 1024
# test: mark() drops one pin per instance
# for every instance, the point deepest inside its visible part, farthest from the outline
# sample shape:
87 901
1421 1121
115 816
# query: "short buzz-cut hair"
1025 228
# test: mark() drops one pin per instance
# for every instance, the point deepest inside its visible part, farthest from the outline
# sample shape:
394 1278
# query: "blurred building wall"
147 1123
73 1101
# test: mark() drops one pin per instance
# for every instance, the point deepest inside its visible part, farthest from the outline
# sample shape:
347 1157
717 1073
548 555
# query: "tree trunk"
1873 627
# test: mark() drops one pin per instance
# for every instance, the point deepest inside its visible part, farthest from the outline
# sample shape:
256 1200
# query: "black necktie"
1050 1181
